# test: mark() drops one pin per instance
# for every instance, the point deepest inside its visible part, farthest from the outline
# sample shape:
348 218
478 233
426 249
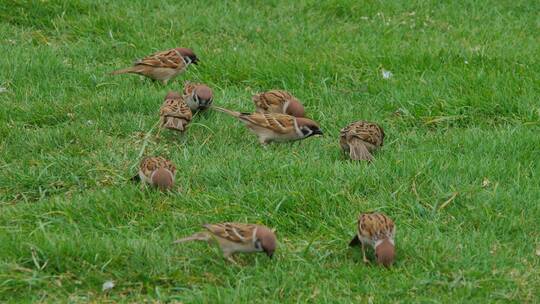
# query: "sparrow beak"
318 132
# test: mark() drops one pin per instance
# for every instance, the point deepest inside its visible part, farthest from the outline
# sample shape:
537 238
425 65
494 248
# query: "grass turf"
458 173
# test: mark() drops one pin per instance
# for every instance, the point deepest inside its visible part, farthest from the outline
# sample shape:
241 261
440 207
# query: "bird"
198 96
163 65
156 171
273 127
237 237
174 113
359 139
376 230
278 101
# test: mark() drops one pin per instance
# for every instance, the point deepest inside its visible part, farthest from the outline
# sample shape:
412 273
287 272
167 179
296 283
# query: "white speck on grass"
538 251
386 74
466 62
107 286
3 90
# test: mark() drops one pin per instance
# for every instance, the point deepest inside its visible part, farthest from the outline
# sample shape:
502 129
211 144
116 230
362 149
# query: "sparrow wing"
272 101
150 164
279 123
234 232
366 131
375 226
175 107
189 87
171 59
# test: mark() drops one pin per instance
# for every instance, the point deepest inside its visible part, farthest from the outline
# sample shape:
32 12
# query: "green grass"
461 115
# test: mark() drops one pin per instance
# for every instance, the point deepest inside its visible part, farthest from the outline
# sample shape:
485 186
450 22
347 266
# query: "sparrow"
236 237
276 127
162 66
277 101
156 171
174 113
376 230
198 96
360 139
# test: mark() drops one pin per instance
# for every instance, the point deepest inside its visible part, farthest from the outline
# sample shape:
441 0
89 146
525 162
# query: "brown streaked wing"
165 59
375 225
189 87
279 123
149 164
176 108
234 232
366 131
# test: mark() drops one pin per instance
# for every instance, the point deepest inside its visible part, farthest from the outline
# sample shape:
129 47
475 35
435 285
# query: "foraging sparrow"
277 101
235 237
276 127
376 230
361 138
174 113
156 171
198 96
162 66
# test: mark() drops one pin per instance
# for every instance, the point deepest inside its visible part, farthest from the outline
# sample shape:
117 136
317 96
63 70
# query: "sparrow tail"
355 241
125 71
227 111
201 236
174 123
359 151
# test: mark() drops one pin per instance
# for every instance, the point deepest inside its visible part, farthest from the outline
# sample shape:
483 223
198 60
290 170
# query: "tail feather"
125 71
200 236
174 123
359 151
227 111
355 241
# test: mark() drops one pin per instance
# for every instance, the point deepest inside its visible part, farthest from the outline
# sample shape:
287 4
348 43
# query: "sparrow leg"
364 253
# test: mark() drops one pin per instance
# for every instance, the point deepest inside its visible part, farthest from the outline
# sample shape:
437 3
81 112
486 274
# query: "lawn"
459 171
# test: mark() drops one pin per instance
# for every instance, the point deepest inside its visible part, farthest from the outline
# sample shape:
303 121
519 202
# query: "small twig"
448 201
146 138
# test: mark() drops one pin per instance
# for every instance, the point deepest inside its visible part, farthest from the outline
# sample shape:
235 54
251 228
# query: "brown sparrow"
235 237
376 230
276 127
361 138
277 101
198 96
174 113
156 171
162 66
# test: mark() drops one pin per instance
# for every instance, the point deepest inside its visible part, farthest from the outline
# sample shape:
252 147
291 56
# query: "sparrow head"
295 108
189 55
308 127
203 95
385 253
162 178
173 95
265 240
